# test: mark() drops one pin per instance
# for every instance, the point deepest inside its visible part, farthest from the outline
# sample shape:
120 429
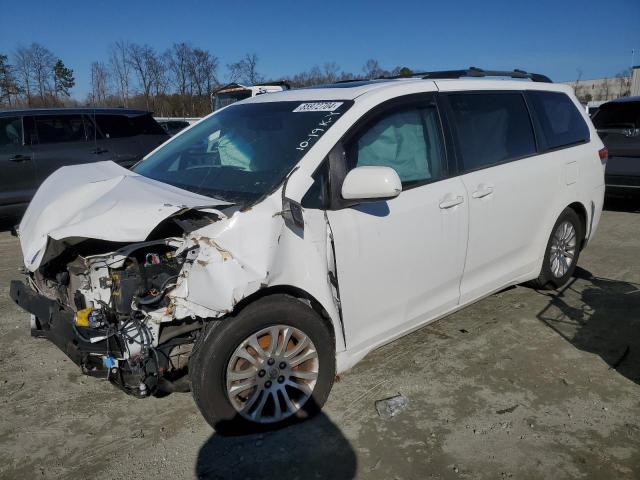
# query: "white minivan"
271 245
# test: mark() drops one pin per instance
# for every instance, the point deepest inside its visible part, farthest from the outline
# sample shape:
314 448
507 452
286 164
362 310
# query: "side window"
10 131
558 121
59 128
114 126
90 127
491 128
407 139
146 125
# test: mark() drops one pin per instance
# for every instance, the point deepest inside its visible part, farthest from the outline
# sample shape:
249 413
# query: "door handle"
19 158
451 202
98 151
482 191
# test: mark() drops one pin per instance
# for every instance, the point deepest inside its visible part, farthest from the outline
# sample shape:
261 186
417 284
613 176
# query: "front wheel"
271 364
563 250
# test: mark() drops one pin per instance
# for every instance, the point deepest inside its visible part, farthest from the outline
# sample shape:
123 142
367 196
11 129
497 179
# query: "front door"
17 181
400 262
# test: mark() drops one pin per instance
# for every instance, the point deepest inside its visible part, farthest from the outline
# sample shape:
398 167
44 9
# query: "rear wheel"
272 364
563 250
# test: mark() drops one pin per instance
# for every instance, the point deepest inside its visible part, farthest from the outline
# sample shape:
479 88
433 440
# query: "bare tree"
372 69
159 77
121 68
23 64
203 68
245 70
99 83
42 66
142 59
331 72
179 60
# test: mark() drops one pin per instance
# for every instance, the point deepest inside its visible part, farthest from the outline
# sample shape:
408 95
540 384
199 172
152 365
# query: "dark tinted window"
59 128
118 126
10 131
491 128
90 127
407 139
317 195
558 120
114 126
146 125
618 115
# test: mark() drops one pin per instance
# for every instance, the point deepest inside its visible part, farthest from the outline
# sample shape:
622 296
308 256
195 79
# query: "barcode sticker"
317 107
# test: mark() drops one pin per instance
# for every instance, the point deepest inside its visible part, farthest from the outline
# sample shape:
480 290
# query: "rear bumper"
56 324
622 175
622 184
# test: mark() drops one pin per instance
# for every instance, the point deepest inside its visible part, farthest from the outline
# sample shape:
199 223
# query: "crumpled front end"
132 312
102 311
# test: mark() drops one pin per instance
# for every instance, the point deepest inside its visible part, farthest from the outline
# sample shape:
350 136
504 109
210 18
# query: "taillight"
604 155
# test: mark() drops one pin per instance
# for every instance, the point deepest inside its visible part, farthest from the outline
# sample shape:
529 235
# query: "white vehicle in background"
235 92
278 241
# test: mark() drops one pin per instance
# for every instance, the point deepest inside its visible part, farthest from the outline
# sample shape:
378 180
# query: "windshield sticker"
317 107
322 126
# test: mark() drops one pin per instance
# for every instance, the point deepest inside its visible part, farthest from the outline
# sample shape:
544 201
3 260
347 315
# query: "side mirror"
371 183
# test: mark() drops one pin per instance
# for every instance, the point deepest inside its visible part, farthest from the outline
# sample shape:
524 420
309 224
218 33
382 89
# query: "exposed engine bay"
121 312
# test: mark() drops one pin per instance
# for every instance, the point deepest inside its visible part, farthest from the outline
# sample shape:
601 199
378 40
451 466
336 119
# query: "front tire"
272 364
562 253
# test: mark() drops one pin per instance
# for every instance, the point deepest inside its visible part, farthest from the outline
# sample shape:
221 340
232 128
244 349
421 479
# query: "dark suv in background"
35 142
618 124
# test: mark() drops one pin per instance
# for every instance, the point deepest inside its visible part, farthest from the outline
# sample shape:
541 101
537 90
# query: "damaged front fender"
232 259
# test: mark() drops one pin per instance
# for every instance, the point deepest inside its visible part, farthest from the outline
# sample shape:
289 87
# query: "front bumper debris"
56 324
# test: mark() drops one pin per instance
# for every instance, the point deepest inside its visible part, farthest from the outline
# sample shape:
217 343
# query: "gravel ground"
523 384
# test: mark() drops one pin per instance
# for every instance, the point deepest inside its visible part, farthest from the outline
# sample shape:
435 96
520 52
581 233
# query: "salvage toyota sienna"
273 244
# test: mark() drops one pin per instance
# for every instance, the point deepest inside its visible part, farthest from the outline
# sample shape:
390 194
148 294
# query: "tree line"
175 82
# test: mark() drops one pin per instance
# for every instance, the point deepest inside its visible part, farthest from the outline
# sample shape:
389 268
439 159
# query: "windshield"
223 99
244 151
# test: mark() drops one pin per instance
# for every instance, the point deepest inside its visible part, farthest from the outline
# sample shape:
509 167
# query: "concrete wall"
604 89
635 81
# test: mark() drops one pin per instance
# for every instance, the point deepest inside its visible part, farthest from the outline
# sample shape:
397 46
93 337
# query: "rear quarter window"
618 115
119 126
557 119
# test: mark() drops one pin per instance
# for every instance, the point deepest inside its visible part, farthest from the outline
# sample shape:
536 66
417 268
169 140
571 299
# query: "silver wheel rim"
272 374
563 249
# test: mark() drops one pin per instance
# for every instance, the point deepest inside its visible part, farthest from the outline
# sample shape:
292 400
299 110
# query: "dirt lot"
520 385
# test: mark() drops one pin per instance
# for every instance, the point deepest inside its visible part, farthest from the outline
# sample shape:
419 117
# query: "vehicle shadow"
314 448
601 316
622 204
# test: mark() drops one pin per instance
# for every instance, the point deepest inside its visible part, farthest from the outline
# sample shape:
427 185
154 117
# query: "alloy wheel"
563 249
272 374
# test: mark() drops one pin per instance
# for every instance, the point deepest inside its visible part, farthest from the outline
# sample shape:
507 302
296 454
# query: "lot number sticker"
317 107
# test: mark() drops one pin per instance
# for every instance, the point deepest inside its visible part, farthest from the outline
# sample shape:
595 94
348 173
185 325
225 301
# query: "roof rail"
474 72
478 72
469 72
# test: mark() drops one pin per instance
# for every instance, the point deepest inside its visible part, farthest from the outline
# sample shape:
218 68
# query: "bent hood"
102 201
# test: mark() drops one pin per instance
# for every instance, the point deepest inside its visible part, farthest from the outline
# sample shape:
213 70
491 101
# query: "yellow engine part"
82 317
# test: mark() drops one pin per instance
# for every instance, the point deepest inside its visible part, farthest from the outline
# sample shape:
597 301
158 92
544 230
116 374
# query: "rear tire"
562 252
270 371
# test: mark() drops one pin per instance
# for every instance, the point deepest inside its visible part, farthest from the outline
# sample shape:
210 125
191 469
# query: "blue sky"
552 37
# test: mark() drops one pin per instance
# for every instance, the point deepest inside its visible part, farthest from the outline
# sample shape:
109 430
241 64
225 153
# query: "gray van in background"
36 142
